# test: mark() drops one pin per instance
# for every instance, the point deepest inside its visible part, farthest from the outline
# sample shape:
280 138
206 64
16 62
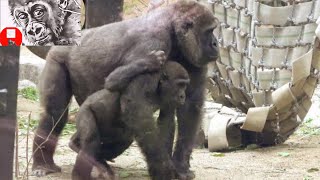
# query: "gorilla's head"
193 27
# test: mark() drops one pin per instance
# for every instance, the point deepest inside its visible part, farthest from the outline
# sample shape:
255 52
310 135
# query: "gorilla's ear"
184 25
164 77
188 24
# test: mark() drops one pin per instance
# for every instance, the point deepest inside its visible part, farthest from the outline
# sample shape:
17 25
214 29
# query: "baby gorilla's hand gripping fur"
120 77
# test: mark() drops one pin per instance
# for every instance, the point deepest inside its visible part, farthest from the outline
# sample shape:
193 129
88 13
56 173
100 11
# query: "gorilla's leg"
110 151
159 163
54 99
167 127
88 141
83 166
87 158
189 118
74 143
138 117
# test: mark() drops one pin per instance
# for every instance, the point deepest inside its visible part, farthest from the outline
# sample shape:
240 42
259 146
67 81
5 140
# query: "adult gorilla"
182 30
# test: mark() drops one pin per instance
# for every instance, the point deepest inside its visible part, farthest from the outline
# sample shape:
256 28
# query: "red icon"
10 35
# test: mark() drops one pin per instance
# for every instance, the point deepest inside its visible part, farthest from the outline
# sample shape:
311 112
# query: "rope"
268 48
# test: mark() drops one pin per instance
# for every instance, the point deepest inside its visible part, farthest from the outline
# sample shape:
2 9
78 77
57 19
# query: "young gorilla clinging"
108 122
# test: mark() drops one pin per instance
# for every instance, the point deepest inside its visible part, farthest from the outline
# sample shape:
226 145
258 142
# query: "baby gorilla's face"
173 91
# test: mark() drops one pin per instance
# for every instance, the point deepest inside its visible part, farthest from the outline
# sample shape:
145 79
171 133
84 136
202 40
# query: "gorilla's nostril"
31 33
214 44
38 30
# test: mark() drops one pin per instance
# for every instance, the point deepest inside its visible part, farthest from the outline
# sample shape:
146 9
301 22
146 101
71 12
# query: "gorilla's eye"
38 12
210 30
22 15
182 84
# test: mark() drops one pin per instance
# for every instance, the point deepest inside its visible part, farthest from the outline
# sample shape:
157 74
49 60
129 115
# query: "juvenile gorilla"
182 30
104 131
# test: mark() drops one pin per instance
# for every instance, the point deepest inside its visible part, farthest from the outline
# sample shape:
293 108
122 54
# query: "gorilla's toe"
186 175
42 170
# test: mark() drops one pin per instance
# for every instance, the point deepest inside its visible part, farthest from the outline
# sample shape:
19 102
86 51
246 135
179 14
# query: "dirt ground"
298 158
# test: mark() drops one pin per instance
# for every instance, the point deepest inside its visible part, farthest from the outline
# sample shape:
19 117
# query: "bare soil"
297 158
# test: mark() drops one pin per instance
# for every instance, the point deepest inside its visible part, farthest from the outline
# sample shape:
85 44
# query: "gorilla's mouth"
214 58
43 41
205 60
181 102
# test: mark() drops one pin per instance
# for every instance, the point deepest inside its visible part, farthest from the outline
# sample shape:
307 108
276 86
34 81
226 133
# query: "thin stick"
27 146
144 3
17 151
46 139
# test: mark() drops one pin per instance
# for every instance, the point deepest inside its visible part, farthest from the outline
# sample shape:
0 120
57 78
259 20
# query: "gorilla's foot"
183 171
185 175
74 146
98 174
105 171
42 170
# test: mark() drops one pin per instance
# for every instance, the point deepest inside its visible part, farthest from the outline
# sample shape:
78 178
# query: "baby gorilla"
108 121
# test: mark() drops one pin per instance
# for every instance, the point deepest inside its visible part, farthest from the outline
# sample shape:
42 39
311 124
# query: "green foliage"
73 110
69 129
30 93
23 125
252 147
217 154
306 129
311 170
124 174
306 177
284 154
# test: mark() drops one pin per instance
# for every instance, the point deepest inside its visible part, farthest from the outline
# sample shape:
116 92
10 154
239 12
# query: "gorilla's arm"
86 141
118 79
98 110
189 119
167 125
136 113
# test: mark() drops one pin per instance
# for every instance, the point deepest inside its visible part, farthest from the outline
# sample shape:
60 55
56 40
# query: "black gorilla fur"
104 130
182 30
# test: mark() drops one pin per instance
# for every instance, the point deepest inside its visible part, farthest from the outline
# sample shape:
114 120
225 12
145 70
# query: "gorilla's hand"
120 77
160 56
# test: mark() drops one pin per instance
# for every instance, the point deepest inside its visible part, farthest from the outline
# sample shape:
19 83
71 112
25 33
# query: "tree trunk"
100 12
9 70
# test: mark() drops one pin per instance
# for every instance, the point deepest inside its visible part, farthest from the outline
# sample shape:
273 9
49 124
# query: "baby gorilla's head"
173 84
